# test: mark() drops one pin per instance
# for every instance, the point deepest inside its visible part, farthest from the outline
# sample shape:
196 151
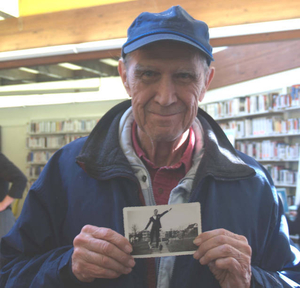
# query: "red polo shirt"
163 179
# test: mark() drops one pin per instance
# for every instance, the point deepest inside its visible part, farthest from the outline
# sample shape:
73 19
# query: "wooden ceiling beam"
256 38
111 21
241 63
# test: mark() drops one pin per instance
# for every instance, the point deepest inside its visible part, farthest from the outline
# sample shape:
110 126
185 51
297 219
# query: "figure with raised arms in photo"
156 226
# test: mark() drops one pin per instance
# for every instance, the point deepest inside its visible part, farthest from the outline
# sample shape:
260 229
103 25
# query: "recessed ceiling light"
110 61
70 66
29 70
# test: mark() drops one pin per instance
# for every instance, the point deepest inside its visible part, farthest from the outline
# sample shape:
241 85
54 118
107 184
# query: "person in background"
159 148
9 174
294 221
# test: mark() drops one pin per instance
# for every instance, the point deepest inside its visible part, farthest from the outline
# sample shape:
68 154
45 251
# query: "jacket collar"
102 157
220 158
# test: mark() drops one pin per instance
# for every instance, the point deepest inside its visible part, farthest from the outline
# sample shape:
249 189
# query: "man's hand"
100 253
227 255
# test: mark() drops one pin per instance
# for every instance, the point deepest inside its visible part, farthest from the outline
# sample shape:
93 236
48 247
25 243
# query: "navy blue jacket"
67 196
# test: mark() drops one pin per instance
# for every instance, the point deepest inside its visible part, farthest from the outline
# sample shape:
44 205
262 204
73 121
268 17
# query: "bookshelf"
266 127
45 137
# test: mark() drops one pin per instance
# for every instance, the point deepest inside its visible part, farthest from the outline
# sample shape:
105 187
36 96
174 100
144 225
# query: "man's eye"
148 74
184 76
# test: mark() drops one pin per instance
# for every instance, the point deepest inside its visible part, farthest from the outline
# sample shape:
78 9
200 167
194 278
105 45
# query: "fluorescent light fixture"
50 87
29 70
110 89
70 66
110 61
1 18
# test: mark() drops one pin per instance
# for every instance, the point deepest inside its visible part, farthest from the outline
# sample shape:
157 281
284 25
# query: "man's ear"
209 76
123 73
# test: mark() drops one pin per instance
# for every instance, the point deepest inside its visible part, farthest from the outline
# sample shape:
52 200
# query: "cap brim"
130 47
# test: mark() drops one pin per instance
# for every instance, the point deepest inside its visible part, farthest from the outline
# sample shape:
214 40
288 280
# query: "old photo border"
179 226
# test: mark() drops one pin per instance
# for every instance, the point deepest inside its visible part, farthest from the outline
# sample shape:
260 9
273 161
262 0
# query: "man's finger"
99 262
223 251
205 236
101 247
110 236
220 240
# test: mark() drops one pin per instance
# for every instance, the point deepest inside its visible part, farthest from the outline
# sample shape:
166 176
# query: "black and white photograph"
163 230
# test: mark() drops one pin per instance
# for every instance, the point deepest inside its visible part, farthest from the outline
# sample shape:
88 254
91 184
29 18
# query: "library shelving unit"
265 126
45 137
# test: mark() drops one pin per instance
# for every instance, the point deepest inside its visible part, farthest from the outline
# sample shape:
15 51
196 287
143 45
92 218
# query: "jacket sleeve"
11 173
162 214
279 255
32 254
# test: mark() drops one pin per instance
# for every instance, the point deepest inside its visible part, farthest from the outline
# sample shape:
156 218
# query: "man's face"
155 212
165 81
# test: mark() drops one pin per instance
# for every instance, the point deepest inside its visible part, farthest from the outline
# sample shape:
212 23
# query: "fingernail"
197 255
127 270
128 249
131 263
197 241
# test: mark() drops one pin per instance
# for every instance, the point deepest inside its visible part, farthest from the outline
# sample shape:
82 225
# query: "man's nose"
166 92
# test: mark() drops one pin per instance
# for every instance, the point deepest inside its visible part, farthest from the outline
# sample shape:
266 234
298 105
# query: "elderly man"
159 148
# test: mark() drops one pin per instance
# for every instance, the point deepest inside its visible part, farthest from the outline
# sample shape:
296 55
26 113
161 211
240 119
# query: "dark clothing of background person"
9 173
294 225
155 227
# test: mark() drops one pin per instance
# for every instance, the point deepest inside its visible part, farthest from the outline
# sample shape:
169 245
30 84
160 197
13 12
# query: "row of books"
34 171
53 142
269 150
254 104
281 175
263 126
61 126
39 156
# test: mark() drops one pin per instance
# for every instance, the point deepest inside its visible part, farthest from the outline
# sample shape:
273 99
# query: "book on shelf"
295 94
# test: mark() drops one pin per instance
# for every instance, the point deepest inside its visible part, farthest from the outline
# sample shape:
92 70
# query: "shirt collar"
185 160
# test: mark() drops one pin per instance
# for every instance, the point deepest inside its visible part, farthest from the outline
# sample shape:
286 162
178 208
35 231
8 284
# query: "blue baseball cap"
173 24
